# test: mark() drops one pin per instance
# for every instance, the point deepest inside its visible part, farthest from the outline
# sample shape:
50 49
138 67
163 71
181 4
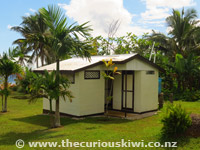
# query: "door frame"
124 75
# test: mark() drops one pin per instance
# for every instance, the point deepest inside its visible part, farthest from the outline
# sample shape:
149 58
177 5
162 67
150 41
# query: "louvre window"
92 74
151 72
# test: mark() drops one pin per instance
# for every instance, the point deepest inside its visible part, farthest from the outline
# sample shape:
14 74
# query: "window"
70 77
150 72
92 74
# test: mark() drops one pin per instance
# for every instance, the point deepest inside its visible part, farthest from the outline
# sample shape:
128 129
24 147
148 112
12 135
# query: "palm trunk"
57 112
109 95
37 62
51 114
2 102
5 88
42 56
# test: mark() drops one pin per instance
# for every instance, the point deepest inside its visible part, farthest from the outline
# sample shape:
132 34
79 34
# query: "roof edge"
116 62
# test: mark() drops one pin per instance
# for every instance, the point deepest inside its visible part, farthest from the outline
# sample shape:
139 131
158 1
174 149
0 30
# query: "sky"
136 16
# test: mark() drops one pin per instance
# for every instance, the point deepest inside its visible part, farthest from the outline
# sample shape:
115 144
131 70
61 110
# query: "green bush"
175 120
14 88
21 90
186 95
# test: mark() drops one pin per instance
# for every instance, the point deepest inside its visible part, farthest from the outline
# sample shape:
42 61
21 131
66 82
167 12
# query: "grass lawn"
25 121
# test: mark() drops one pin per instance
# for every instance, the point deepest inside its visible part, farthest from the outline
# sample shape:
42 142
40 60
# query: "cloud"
9 26
27 14
158 10
169 29
101 13
32 10
168 3
155 13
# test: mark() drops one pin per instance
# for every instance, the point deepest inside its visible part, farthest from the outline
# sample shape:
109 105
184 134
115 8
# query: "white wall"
72 108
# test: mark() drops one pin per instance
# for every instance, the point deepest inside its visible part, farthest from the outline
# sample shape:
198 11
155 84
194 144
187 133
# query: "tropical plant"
186 69
35 36
181 39
47 86
108 75
7 68
64 40
19 54
175 120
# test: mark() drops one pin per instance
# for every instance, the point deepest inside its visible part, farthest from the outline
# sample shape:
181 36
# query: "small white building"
134 91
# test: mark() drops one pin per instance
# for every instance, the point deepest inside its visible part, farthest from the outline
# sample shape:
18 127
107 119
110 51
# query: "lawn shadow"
44 120
11 137
41 120
20 97
182 141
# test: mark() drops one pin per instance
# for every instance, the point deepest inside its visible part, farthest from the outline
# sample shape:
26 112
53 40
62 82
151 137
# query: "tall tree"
7 68
35 34
19 54
181 37
64 41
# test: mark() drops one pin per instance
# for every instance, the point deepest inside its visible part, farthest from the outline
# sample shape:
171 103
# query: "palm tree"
187 69
7 68
64 40
48 87
181 38
19 54
35 33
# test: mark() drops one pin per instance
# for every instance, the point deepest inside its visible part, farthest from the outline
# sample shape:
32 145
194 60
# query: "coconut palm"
181 37
35 35
64 40
7 68
19 54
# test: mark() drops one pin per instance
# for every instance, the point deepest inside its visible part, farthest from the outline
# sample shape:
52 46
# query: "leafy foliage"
7 69
175 120
109 75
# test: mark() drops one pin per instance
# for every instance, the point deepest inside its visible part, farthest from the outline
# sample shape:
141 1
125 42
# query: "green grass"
25 121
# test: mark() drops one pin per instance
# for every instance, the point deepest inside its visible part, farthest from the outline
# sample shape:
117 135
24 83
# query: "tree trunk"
110 94
6 90
2 102
51 114
57 110
42 55
37 63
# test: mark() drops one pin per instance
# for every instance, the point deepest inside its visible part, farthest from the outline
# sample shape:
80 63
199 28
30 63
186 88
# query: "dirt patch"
194 129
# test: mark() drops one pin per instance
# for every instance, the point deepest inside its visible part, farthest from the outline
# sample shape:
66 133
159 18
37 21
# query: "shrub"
14 88
175 120
21 90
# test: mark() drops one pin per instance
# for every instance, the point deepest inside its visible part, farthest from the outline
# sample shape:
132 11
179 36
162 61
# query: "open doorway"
128 91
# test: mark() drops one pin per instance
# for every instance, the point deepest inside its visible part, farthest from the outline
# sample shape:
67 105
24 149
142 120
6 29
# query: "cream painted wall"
149 91
90 94
72 108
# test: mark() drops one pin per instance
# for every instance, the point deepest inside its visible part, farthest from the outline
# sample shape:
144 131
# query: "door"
128 91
